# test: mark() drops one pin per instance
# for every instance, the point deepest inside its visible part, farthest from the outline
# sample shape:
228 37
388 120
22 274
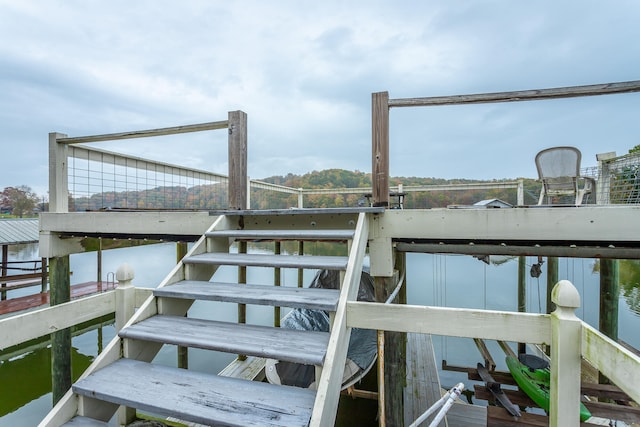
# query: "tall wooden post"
60 340
609 293
552 279
522 293
393 355
380 148
58 174
237 160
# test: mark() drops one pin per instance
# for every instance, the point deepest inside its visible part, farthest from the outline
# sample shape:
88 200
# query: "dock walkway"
14 305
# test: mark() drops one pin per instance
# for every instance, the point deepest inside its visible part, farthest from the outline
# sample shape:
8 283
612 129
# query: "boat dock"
350 237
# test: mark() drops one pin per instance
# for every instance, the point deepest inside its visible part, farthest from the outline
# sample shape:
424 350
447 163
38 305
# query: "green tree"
21 200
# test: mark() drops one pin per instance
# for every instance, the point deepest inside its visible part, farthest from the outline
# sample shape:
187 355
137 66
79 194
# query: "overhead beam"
522 95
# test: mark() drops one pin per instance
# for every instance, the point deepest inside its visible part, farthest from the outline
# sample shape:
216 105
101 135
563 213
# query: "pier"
148 319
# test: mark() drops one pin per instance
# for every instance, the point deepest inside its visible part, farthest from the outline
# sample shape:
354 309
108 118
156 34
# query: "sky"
304 72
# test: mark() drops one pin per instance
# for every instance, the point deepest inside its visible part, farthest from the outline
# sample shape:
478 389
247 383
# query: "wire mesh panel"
621 177
100 179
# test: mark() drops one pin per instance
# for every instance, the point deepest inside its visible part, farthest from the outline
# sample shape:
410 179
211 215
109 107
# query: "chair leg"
542 194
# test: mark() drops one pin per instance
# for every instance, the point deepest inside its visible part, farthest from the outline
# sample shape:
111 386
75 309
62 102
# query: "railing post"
520 197
237 160
566 335
58 174
380 148
125 295
300 198
603 185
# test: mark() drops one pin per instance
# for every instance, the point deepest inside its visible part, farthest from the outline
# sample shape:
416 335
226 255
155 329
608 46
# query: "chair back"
559 169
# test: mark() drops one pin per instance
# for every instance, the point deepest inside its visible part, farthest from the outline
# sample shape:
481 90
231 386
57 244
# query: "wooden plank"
197 397
145 133
266 260
262 234
463 415
470 323
423 383
84 422
521 95
626 414
307 347
284 296
499 417
298 211
515 396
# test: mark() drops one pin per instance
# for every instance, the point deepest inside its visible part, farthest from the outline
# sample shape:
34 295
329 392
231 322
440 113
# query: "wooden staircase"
124 375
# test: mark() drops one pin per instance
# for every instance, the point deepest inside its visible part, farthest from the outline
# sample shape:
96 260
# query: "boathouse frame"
588 231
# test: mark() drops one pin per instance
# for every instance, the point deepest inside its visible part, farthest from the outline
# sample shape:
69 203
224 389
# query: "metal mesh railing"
618 180
101 179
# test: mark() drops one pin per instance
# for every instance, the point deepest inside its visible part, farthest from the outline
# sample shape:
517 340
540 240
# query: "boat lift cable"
396 290
444 404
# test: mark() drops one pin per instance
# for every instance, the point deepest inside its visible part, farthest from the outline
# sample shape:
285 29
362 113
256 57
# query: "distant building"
493 203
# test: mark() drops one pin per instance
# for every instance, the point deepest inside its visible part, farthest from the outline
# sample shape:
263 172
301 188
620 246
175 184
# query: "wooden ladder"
124 374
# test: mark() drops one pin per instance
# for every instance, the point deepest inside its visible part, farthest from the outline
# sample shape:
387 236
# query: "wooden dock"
14 305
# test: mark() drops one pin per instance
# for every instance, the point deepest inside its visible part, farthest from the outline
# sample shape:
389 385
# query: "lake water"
440 280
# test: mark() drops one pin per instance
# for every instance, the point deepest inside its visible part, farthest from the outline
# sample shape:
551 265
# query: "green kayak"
534 380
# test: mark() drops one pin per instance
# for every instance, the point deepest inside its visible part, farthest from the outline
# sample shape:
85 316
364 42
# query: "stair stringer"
328 392
72 404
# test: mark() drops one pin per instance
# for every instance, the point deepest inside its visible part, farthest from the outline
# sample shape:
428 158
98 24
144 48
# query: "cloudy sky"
304 72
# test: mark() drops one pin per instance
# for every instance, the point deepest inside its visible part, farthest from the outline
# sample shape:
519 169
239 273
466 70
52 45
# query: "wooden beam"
145 133
380 148
522 95
237 160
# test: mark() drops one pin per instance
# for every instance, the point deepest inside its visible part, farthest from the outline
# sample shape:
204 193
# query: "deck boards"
307 347
282 296
197 397
14 305
267 260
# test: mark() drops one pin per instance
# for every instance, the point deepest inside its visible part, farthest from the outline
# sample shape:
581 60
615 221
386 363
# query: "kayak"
533 378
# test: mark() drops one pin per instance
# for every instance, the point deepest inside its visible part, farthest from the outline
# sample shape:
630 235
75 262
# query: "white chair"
559 172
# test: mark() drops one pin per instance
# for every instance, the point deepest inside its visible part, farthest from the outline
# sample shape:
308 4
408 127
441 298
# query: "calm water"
454 281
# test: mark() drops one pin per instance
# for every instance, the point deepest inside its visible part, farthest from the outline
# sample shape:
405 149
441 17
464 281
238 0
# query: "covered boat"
362 351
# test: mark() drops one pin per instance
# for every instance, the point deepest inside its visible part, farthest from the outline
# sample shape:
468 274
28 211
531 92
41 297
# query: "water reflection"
630 283
27 377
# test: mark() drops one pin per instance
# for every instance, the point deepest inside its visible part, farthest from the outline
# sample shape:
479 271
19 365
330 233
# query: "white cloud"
304 72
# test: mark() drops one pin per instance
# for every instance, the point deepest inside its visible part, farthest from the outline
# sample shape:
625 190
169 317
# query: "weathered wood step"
197 397
282 296
307 347
268 260
84 422
263 234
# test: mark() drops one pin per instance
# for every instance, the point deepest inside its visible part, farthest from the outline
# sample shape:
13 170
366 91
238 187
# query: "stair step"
311 235
198 397
84 422
307 347
268 260
281 296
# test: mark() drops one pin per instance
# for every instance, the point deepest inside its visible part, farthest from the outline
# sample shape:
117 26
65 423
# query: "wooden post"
552 279
4 270
99 261
301 270
183 352
44 270
566 336
392 345
242 278
58 174
522 293
237 160
125 307
60 340
380 148
125 295
609 294
277 281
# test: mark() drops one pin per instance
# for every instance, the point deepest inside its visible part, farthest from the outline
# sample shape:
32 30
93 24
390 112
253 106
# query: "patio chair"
559 172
